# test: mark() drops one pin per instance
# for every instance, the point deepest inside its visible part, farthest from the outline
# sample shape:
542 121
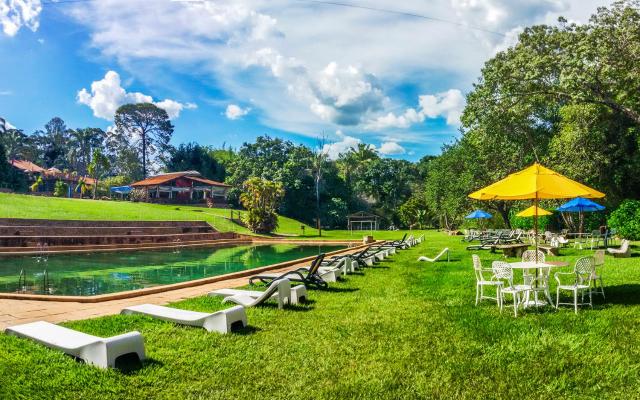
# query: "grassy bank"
401 330
24 206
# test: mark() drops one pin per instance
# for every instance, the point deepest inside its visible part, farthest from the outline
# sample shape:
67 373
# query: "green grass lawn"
25 206
401 330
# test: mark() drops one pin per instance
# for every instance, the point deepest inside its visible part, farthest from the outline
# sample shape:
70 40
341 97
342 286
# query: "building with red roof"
182 187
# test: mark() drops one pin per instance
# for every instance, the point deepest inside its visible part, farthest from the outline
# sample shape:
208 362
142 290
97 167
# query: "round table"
524 265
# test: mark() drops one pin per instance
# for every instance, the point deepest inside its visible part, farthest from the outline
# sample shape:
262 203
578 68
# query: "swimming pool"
101 273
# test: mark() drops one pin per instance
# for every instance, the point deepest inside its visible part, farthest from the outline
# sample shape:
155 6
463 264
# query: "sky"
322 73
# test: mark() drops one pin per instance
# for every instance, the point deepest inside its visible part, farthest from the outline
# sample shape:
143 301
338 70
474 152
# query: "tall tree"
98 168
147 127
82 145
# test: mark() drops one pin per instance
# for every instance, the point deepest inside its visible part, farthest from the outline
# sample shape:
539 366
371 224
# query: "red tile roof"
207 181
26 166
191 175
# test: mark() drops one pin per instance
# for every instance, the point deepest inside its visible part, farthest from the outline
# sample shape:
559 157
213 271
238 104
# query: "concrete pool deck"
21 311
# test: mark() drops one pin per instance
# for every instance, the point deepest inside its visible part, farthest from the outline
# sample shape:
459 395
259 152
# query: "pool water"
100 273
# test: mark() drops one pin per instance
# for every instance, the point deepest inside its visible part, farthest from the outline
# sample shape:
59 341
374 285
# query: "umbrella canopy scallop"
535 182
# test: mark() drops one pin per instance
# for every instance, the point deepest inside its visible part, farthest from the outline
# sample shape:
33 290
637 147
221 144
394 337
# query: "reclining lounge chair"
436 258
281 286
101 352
221 321
298 293
310 276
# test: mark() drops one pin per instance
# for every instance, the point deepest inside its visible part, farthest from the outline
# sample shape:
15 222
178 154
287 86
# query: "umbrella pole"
535 227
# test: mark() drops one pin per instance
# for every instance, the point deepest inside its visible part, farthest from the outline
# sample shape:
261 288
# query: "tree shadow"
627 294
339 290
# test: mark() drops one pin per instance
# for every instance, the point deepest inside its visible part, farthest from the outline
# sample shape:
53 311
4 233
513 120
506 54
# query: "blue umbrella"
580 204
479 214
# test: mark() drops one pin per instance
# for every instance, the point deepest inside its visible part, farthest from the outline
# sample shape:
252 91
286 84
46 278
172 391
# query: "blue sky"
228 71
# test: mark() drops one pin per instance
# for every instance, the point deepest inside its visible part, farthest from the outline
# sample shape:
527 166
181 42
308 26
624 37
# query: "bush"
61 189
626 219
261 198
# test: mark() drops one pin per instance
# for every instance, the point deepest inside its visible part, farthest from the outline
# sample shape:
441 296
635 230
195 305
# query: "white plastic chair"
530 256
481 281
598 263
583 273
503 272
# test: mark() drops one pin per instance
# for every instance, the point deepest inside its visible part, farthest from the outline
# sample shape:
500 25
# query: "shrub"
61 189
261 198
626 219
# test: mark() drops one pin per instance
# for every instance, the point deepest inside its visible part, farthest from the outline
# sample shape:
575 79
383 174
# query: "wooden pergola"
361 221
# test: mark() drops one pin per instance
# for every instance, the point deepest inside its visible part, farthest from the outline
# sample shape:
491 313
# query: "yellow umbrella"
534 183
533 211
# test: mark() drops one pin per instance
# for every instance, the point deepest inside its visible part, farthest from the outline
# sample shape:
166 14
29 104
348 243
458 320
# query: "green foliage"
193 157
626 219
36 185
83 187
150 128
413 213
261 198
61 189
334 213
98 168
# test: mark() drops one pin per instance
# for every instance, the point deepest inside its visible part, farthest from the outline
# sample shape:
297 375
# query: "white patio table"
531 265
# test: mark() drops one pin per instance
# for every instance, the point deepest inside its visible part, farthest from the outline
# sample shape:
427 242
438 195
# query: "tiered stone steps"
33 235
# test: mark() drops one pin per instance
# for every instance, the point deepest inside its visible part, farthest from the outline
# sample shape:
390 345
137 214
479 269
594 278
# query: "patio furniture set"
585 280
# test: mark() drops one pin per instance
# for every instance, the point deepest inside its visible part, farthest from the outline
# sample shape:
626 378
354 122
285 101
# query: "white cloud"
14 14
313 67
448 105
391 148
6 92
346 143
107 95
234 111
7 124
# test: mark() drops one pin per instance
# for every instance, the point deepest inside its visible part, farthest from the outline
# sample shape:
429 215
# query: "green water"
99 273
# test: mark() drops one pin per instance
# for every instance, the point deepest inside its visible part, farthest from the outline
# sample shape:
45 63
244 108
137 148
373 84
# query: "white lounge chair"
281 286
440 255
298 293
220 321
101 352
622 252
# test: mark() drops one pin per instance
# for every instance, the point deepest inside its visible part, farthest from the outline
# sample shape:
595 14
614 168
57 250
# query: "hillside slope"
25 206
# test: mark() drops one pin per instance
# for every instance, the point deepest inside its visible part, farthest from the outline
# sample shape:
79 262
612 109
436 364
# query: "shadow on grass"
628 294
246 330
339 290
129 364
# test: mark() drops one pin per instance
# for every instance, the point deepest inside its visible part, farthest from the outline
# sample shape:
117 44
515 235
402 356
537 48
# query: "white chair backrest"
530 256
477 267
624 246
584 270
598 257
503 271
282 286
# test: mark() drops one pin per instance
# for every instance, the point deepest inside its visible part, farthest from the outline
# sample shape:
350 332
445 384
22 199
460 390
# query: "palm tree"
83 187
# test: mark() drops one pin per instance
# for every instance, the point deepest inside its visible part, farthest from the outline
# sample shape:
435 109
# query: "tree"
261 198
318 161
60 189
83 143
193 157
147 127
83 187
97 168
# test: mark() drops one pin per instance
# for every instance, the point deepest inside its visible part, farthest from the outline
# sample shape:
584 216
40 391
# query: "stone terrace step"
94 223
41 230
